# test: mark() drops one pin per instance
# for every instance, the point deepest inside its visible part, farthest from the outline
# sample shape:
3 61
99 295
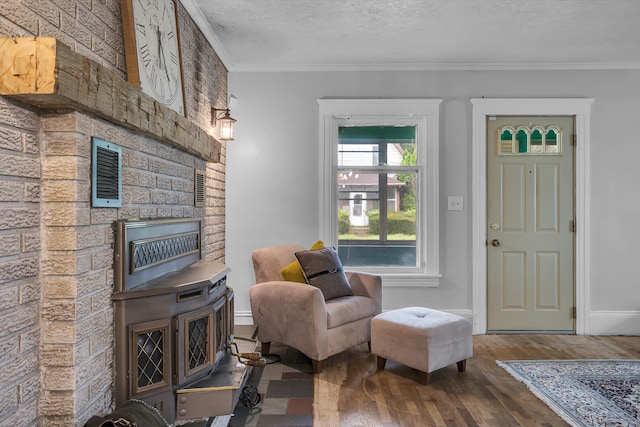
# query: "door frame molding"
581 109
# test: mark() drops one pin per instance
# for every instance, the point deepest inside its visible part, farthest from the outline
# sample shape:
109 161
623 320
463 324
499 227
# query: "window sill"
411 280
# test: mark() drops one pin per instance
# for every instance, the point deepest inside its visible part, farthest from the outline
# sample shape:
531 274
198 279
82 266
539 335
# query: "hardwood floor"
351 392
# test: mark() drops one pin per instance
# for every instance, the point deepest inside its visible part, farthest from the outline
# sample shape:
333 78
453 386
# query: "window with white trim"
379 186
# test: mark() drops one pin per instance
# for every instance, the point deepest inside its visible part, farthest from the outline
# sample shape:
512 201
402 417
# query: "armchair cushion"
343 310
322 268
293 271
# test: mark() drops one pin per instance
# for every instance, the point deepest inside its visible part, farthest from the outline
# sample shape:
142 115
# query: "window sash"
424 115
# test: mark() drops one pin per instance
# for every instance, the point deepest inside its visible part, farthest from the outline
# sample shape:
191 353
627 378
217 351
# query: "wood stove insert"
174 322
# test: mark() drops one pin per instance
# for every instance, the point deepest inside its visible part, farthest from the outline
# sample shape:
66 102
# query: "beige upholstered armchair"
297 315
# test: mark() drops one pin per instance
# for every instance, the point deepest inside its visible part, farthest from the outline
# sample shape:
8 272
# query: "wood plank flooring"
351 392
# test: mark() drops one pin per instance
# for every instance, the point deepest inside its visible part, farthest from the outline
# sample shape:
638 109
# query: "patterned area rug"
286 392
584 392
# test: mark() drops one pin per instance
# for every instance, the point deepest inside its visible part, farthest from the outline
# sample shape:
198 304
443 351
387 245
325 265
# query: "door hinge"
574 140
573 313
572 226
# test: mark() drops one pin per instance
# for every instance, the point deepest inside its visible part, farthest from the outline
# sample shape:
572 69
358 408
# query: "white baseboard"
601 322
243 318
604 322
614 322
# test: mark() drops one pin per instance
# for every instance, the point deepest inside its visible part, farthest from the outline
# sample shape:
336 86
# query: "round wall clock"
152 48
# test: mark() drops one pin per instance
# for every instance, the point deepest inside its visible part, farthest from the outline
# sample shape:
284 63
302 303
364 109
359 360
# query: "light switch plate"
455 203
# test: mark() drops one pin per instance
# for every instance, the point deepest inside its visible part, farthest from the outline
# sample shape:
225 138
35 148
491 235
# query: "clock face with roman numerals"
157 50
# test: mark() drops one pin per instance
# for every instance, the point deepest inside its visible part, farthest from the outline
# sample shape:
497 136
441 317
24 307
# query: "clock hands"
159 42
161 57
164 65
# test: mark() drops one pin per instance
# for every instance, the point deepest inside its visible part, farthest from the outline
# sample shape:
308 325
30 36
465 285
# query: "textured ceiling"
258 35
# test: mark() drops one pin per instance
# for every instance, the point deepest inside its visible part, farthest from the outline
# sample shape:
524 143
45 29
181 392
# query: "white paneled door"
530 224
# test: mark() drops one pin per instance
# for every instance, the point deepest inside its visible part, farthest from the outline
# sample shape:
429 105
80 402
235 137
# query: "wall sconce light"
226 122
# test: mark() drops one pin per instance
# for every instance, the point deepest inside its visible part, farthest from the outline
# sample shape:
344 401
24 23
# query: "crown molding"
203 25
248 67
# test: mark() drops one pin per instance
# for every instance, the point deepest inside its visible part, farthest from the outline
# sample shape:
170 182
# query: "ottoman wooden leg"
462 365
425 377
381 363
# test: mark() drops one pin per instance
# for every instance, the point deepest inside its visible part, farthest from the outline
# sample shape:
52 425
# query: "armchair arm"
368 285
291 313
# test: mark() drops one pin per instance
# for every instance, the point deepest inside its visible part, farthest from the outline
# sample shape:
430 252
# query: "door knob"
495 242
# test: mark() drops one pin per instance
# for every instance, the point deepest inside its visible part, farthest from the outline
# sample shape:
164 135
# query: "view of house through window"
377 195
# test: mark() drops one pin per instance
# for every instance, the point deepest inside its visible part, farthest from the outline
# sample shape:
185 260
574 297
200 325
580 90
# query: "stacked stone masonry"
56 276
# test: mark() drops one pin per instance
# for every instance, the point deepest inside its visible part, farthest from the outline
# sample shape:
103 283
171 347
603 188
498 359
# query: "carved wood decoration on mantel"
48 75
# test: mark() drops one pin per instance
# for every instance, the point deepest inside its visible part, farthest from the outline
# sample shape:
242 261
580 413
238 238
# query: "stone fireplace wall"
56 254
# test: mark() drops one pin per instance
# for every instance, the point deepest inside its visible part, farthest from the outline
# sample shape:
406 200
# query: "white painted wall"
272 174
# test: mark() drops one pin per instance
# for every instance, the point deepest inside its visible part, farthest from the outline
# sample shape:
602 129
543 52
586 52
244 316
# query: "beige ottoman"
421 338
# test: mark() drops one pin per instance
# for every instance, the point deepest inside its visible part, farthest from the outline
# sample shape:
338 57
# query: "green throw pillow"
293 271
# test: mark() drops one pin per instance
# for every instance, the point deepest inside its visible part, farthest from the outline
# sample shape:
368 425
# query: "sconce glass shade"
226 123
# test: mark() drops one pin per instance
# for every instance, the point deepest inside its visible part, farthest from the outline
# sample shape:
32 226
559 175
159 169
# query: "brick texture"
56 250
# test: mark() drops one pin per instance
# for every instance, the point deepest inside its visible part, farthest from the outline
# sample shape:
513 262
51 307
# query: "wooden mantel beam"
48 75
